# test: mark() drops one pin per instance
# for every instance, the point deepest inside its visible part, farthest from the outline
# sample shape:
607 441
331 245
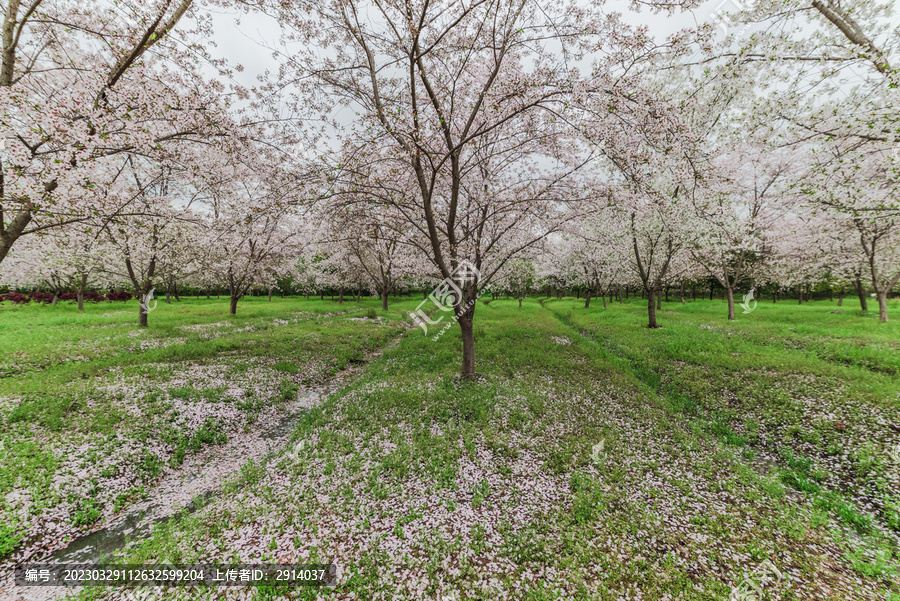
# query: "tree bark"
271 289
340 296
384 301
587 299
861 293
730 292
15 228
841 296
604 298
882 306
232 308
651 310
468 340
799 295
81 286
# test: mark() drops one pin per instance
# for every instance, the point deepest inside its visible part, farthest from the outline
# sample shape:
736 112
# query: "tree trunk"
587 299
271 289
142 315
863 304
682 292
651 310
520 302
619 294
82 285
882 306
168 296
667 293
384 301
357 295
799 295
341 297
175 292
710 292
604 298
468 340
730 293
55 299
233 306
841 296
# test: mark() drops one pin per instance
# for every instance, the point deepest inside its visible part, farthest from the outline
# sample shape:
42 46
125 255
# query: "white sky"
244 44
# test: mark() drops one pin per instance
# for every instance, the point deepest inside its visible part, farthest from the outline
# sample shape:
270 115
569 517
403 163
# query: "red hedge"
16 298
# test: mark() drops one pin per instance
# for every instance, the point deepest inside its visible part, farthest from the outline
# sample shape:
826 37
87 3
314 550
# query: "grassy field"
593 458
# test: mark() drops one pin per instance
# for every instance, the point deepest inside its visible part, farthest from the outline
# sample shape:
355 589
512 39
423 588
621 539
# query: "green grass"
60 388
592 458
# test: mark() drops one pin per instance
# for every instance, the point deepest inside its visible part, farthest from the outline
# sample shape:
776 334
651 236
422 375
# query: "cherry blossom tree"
847 184
747 199
517 277
87 86
468 114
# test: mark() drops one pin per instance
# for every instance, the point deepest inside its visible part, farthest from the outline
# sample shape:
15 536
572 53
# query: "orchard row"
397 143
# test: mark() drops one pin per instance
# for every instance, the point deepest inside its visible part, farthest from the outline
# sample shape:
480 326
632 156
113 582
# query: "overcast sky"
243 43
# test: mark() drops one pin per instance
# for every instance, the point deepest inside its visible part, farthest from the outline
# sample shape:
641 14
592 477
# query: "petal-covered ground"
592 458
